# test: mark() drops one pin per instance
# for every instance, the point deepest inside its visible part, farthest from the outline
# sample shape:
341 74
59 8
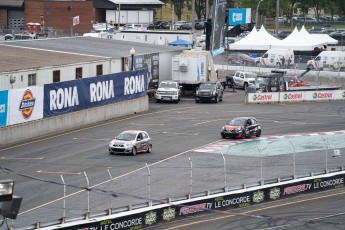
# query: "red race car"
241 127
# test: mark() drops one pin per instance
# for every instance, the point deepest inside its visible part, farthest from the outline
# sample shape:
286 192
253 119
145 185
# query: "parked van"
134 27
333 60
278 58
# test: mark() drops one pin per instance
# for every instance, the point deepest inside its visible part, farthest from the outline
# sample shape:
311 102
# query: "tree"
178 8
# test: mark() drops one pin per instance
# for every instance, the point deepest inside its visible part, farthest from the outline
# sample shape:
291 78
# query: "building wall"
59 15
3 18
45 75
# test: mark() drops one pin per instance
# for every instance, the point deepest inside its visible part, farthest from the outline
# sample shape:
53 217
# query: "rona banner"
71 96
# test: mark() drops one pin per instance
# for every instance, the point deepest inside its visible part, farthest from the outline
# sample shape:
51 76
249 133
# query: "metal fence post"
88 195
191 178
324 140
224 172
294 160
149 181
111 190
260 163
64 200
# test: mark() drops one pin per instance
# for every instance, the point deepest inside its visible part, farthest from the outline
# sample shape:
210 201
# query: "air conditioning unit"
184 65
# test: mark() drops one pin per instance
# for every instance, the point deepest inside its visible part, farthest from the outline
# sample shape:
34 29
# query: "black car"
241 127
199 25
159 25
209 91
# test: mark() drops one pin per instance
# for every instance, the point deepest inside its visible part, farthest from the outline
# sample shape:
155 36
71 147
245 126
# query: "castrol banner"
25 105
292 96
263 97
321 95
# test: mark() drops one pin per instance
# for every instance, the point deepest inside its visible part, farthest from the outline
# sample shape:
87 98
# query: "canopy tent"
298 41
324 39
180 42
256 40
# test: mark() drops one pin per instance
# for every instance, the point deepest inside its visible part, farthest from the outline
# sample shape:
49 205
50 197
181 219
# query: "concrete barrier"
63 123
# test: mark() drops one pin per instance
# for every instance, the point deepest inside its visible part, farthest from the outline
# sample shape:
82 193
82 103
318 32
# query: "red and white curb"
230 142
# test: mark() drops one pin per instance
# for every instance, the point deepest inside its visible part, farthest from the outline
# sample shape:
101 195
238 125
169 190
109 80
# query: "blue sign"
3 107
70 96
237 17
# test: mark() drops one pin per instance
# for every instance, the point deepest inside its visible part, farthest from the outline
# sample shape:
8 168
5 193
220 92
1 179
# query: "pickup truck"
243 79
168 91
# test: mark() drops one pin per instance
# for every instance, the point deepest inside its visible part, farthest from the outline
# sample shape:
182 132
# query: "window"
31 79
56 76
78 73
99 70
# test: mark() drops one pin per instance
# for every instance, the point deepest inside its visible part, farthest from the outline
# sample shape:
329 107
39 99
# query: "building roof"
18 58
11 3
59 51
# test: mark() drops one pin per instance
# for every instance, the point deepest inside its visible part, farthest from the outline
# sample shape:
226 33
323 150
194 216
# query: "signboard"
263 97
3 107
25 105
75 20
70 96
149 61
239 16
218 24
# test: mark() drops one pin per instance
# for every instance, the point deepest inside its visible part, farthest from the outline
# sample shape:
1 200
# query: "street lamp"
257 14
132 52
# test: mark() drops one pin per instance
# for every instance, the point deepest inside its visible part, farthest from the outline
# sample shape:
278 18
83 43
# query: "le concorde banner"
71 96
3 107
231 201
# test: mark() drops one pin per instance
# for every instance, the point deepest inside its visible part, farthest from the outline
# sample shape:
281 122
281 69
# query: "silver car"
131 142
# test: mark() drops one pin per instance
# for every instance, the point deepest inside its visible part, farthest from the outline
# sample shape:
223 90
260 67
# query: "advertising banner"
149 61
319 95
70 96
25 105
239 16
218 26
292 96
3 107
263 97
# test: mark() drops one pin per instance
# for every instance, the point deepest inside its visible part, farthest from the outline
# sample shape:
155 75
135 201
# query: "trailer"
192 67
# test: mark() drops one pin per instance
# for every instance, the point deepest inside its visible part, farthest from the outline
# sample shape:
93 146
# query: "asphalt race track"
182 134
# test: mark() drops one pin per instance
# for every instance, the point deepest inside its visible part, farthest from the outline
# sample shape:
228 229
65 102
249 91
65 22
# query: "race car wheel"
258 133
223 136
243 135
216 99
134 151
149 149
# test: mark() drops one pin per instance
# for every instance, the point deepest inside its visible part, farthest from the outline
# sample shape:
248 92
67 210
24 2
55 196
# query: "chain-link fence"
222 166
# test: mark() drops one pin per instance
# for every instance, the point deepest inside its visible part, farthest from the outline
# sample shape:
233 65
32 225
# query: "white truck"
278 58
243 79
168 91
333 60
192 67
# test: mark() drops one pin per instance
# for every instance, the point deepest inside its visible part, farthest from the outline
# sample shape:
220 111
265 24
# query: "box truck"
333 60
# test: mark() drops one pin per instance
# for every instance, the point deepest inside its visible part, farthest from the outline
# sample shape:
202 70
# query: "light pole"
257 14
132 52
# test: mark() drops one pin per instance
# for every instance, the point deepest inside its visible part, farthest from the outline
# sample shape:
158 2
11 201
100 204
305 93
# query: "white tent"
298 41
323 39
256 40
